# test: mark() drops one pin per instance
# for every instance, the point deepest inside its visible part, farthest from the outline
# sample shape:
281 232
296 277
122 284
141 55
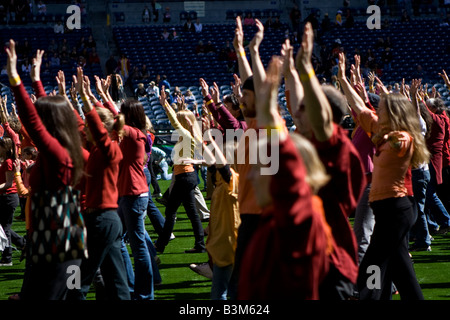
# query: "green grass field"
180 283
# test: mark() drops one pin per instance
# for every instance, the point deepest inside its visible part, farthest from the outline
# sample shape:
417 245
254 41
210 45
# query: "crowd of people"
284 235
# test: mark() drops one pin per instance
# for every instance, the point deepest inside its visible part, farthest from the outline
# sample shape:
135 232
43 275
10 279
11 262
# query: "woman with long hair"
103 224
183 190
51 125
133 197
396 132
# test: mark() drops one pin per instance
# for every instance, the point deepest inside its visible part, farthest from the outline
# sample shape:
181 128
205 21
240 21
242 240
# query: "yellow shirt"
224 220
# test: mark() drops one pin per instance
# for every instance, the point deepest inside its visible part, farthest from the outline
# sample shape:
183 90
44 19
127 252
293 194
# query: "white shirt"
198 27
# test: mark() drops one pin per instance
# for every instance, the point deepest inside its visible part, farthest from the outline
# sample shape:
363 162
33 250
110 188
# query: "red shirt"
7 165
132 179
435 143
340 197
446 149
53 168
287 257
102 168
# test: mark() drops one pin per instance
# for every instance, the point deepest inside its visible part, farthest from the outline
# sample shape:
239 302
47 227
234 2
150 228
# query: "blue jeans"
132 210
155 216
364 222
437 215
105 234
420 180
220 282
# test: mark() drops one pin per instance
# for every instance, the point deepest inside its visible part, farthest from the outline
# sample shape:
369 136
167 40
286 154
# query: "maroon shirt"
287 256
340 197
53 168
435 143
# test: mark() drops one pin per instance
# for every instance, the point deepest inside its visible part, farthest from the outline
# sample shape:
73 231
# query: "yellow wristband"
84 99
269 129
242 53
209 102
17 174
307 77
14 81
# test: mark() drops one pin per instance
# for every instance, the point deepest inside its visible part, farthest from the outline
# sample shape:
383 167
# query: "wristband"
209 102
14 81
84 99
269 129
17 174
307 77
242 53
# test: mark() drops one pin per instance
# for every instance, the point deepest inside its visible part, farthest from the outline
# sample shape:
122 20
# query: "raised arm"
245 70
35 74
316 104
259 74
353 98
293 86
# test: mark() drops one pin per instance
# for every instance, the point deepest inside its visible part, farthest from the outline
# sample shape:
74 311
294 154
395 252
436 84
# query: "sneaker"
157 195
172 236
6 264
202 269
415 248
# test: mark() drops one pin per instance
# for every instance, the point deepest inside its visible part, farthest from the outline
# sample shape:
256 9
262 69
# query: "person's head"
15 124
57 116
188 121
247 100
232 104
29 153
7 148
134 114
397 113
149 125
113 124
436 105
337 101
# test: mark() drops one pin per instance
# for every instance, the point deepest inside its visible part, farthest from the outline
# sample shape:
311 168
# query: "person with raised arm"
53 128
102 221
287 256
396 132
320 115
184 175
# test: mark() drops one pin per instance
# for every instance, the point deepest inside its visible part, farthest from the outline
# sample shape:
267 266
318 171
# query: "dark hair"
337 101
59 120
15 124
426 117
134 114
30 150
8 144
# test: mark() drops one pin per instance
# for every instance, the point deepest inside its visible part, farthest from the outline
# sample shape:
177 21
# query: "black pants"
8 205
154 180
182 193
388 251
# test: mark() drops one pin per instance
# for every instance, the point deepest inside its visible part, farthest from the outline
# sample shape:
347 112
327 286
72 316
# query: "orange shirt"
391 161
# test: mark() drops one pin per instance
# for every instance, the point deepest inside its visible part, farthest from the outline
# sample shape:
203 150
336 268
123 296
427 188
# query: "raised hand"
445 77
162 97
267 106
11 63
61 80
36 66
341 66
303 59
361 90
205 88
238 41
215 93
258 38
236 86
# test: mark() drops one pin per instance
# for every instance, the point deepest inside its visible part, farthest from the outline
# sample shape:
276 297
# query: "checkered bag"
57 232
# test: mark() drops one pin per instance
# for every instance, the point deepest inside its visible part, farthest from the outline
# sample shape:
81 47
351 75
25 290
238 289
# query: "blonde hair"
316 173
111 122
403 116
193 126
